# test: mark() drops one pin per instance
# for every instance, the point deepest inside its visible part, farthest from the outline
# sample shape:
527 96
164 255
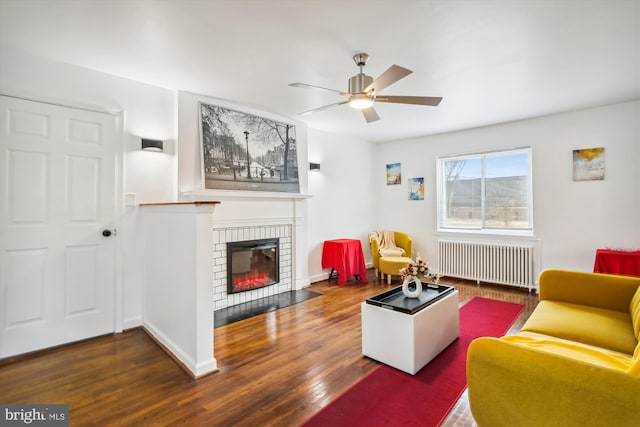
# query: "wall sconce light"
151 145
314 167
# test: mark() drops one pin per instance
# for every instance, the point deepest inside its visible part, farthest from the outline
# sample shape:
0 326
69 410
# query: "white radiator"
503 263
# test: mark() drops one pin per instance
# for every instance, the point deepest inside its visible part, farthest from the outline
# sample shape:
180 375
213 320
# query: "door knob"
106 233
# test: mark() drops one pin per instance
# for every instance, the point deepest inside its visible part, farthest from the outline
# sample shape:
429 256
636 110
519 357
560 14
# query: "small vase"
411 293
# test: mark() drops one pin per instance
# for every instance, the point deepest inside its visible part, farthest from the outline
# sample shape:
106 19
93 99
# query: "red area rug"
389 397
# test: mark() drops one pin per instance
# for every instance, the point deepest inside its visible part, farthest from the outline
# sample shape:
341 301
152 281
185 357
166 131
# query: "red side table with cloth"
617 262
346 258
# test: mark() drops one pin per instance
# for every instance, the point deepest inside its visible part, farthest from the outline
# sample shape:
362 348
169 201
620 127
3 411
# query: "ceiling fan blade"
419 100
325 107
370 115
306 86
392 75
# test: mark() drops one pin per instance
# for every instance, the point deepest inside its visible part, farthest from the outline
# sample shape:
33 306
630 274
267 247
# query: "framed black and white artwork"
240 151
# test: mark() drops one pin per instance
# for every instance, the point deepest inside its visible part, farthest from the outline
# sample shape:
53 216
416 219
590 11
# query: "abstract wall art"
588 164
393 174
416 188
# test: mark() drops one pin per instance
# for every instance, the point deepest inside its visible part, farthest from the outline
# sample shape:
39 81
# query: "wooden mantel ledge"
197 202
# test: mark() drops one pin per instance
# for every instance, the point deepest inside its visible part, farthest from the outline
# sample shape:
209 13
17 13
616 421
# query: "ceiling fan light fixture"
364 91
360 102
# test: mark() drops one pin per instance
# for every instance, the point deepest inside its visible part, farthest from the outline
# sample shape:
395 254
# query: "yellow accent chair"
393 264
576 361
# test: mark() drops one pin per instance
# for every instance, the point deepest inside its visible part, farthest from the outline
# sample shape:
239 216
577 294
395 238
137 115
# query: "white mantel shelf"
203 195
195 202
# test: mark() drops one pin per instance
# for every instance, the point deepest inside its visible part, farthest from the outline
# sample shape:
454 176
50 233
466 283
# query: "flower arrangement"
418 268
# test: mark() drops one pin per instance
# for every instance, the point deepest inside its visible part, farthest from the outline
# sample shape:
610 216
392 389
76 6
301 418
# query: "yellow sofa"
576 361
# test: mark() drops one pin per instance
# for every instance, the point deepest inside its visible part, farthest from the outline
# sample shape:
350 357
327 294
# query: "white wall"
571 219
342 205
178 303
149 112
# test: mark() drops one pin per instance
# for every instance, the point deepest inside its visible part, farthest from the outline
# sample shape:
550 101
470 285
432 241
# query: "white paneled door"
57 216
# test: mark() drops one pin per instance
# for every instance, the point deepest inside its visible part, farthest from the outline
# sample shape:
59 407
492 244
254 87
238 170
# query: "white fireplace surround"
262 215
222 236
184 277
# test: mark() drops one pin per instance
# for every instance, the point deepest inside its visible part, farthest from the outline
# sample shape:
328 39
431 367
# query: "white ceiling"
492 61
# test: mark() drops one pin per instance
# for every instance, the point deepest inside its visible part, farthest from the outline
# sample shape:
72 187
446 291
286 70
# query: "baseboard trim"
196 372
132 323
318 277
325 275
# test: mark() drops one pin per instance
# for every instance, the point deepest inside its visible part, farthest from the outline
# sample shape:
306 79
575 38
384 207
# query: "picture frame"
394 175
588 164
416 188
241 151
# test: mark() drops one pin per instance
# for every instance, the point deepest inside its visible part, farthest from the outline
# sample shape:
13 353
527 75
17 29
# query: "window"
488 192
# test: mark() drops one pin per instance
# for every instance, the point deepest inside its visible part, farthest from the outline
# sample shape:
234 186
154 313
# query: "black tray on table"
394 299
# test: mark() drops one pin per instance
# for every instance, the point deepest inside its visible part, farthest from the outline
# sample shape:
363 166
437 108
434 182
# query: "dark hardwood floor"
276 369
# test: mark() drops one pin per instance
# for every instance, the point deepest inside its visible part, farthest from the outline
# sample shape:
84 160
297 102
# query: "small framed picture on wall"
588 164
416 188
394 177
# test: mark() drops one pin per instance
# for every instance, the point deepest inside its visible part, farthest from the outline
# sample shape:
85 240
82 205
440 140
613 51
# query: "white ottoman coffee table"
407 333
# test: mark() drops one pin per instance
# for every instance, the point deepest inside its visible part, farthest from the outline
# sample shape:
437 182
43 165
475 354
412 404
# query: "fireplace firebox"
252 264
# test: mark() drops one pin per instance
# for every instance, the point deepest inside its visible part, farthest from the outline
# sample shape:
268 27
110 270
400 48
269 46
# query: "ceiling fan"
364 91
